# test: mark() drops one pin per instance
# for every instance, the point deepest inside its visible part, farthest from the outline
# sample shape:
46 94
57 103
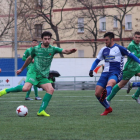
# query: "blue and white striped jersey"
113 57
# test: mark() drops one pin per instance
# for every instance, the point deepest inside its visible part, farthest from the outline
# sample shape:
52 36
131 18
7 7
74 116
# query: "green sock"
15 89
115 89
137 93
28 93
45 102
35 90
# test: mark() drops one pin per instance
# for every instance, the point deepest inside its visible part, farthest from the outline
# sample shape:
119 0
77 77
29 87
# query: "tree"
91 16
7 22
122 8
41 12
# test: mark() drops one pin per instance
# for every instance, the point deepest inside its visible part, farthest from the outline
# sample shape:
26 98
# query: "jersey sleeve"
131 48
25 55
33 53
124 51
58 50
100 54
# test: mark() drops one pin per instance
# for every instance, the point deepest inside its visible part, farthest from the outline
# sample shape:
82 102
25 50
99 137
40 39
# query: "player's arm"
94 65
96 62
27 62
124 51
25 55
0 69
69 51
131 48
66 51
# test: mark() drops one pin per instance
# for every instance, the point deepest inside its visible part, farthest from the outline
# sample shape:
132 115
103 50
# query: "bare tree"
122 7
41 12
7 22
91 16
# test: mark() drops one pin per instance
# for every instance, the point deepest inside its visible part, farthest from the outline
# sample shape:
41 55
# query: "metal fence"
80 82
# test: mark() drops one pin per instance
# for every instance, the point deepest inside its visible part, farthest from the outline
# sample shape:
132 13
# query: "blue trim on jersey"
95 63
134 57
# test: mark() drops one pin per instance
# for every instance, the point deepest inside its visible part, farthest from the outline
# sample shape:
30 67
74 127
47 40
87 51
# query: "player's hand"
91 73
19 71
0 70
73 50
33 61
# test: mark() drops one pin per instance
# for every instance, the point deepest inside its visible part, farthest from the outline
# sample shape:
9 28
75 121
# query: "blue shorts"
105 77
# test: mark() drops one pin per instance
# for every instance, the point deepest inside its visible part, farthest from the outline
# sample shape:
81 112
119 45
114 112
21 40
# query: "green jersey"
43 58
26 54
131 65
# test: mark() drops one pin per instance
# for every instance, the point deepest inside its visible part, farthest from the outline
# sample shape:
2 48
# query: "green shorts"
36 79
129 74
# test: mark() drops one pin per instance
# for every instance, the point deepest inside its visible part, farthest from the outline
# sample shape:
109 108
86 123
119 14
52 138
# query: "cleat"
136 98
42 113
129 87
103 96
38 98
2 92
28 98
107 110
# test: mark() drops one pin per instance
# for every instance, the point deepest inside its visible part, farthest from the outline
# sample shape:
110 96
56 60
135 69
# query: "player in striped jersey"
113 55
131 69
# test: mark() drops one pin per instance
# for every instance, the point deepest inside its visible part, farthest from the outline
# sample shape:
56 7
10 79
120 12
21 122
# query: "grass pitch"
75 115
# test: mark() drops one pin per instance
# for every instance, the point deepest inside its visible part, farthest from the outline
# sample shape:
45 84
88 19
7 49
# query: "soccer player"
26 54
113 54
131 67
36 75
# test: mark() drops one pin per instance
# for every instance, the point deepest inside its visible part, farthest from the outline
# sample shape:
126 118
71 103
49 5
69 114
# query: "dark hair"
46 33
137 33
34 40
109 34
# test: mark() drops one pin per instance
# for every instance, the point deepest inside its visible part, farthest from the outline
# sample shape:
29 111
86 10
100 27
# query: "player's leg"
133 84
127 75
112 80
13 89
36 93
129 87
116 88
101 84
27 95
98 92
18 88
136 96
46 99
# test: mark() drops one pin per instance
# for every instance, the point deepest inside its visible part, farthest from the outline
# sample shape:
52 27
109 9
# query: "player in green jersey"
36 75
26 54
131 67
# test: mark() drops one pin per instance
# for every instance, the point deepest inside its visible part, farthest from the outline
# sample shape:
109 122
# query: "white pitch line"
74 101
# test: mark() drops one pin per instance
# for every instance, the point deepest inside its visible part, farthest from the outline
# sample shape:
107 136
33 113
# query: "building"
74 29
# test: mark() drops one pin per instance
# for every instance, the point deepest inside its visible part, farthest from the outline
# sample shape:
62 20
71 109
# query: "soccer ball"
22 111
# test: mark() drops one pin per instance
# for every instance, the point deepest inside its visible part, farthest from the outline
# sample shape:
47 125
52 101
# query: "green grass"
75 115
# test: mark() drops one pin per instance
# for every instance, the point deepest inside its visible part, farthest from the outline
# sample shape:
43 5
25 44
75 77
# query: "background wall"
65 66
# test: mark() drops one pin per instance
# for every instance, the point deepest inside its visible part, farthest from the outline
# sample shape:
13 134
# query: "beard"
46 44
109 45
